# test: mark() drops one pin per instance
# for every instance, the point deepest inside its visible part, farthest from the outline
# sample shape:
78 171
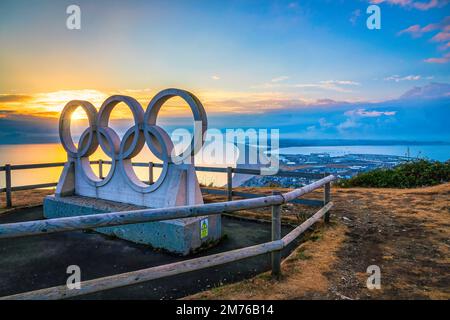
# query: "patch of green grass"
413 174
315 236
265 276
272 184
303 256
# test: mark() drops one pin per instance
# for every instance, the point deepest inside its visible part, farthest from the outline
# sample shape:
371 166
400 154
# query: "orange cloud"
419 5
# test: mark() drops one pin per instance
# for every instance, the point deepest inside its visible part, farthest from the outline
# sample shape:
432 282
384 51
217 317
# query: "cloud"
442 36
347 124
417 31
357 118
19 128
341 82
397 78
279 79
431 91
215 77
369 113
49 105
419 5
416 116
445 46
333 85
293 5
322 86
324 123
354 16
444 59
6 113
14 98
428 5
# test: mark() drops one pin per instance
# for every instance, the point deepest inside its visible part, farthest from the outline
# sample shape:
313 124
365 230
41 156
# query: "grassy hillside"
412 174
403 231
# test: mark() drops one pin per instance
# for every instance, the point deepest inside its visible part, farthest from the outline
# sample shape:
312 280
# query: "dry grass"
23 199
304 272
406 232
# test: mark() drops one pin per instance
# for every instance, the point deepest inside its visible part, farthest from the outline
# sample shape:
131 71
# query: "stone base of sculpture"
180 236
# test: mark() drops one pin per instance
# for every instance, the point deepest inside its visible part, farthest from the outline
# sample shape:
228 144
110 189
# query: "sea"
53 152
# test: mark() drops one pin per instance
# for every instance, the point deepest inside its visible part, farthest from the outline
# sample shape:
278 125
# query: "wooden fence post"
229 183
8 185
327 199
150 172
100 169
276 235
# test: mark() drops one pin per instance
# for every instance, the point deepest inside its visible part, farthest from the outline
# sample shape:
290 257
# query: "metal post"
150 172
326 199
8 185
229 183
100 169
276 235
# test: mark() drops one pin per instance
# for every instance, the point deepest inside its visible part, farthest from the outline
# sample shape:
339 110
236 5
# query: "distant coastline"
284 143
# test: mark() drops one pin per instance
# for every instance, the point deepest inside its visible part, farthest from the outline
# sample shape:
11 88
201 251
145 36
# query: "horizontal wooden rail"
31 187
216 191
143 275
280 173
30 228
291 236
34 186
257 172
37 166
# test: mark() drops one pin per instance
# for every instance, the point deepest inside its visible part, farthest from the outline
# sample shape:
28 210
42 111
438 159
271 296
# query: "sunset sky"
311 68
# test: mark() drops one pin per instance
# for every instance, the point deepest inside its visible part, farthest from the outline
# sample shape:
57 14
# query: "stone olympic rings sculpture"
122 151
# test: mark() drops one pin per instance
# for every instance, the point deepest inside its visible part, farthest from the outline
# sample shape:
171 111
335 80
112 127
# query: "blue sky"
273 59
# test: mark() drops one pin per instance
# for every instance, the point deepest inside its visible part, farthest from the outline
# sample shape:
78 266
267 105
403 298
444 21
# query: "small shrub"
272 184
412 174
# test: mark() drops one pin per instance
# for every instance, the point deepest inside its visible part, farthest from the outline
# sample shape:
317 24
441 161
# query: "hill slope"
405 232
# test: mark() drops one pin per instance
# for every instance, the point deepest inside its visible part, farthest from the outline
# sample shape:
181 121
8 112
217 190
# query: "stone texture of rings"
145 130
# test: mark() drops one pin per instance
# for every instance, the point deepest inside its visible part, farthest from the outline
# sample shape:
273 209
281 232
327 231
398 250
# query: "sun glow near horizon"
50 104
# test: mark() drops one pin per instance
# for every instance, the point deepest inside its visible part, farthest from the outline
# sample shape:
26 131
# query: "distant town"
344 167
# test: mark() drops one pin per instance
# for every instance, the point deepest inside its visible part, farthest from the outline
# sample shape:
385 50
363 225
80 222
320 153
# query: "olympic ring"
87 147
197 109
144 131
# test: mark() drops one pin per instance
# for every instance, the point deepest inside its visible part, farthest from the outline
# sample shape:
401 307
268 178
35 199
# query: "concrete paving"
41 261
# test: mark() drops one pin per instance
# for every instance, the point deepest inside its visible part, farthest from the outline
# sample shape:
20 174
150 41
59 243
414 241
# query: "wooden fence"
9 189
39 227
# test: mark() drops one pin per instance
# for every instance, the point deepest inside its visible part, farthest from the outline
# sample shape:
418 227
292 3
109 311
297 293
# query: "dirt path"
404 232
